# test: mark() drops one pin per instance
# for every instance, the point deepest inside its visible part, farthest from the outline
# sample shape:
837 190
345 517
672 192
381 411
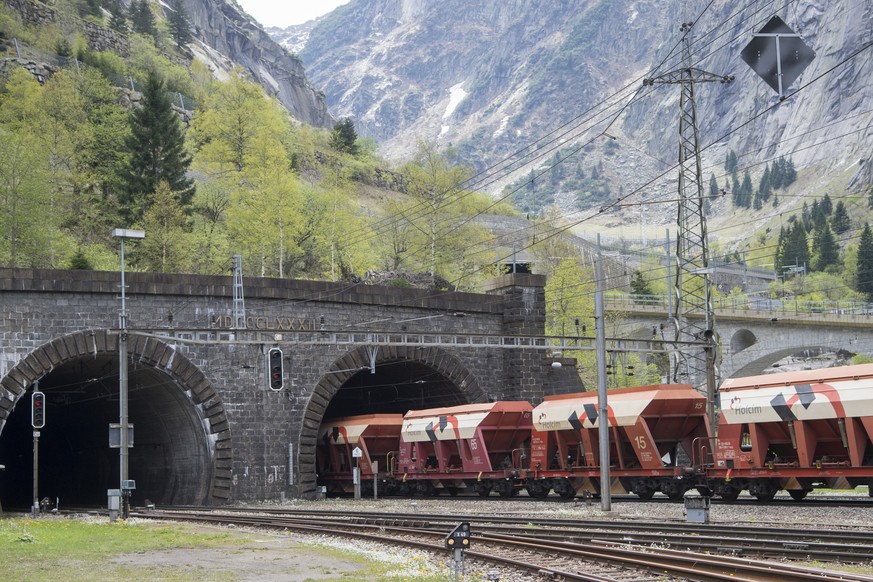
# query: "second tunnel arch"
357 361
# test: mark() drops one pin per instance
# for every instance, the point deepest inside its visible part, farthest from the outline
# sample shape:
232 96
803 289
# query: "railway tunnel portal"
207 427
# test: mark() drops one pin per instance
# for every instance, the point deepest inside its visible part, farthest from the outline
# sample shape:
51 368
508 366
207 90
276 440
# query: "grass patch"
73 549
94 550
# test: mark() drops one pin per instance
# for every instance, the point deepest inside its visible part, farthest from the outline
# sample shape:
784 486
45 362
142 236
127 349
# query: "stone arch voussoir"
350 364
145 350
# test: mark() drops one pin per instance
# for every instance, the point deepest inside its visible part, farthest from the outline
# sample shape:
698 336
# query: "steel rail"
689 565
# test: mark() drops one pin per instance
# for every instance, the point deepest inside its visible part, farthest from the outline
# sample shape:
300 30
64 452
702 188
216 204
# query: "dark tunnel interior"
396 387
169 460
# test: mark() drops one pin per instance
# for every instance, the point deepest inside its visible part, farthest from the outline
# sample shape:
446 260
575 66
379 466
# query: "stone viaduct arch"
182 431
751 341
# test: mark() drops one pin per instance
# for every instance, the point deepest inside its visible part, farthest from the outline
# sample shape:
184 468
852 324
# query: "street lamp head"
127 233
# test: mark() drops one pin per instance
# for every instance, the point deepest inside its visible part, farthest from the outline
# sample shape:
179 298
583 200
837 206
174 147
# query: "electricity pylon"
693 315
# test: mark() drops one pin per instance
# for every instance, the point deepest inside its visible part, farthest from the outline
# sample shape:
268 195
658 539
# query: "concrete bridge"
755 335
207 428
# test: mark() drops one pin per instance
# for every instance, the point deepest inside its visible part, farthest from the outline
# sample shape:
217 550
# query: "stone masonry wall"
265 426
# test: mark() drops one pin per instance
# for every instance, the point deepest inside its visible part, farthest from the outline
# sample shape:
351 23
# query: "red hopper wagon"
793 430
378 437
478 446
651 429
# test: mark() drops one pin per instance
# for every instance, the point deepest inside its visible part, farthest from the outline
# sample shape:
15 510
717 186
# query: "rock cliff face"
228 37
495 76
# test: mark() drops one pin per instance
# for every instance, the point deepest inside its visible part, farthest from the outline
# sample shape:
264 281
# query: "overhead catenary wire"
559 229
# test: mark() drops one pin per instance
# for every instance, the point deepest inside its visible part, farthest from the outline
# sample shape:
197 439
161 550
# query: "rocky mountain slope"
228 37
512 77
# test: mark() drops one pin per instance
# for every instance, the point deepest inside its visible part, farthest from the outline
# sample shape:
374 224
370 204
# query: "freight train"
788 431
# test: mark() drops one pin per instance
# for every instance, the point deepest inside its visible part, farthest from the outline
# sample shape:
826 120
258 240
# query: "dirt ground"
259 556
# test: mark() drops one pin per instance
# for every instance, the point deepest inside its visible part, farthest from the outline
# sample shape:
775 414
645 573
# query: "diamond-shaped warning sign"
778 54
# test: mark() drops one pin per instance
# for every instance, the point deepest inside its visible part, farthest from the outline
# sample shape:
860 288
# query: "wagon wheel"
646 493
766 496
676 494
729 494
568 493
537 490
798 494
505 489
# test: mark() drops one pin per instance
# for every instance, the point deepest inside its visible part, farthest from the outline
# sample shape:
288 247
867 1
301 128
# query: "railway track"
579 550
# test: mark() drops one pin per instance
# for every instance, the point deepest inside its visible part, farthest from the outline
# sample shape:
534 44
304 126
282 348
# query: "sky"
288 12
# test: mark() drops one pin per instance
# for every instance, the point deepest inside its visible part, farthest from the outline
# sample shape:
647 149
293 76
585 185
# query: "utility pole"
694 316
602 403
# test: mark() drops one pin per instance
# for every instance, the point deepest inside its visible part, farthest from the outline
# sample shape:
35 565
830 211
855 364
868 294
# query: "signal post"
37 420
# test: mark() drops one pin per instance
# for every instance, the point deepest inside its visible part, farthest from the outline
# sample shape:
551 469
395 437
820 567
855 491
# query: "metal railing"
631 302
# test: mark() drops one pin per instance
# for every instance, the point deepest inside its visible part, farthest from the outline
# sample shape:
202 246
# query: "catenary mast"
693 315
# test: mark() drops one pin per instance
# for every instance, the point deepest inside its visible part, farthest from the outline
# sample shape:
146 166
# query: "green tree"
730 162
570 298
446 238
795 249
142 18
89 8
713 186
840 221
639 285
827 206
864 276
344 138
157 152
84 128
80 261
117 21
827 252
25 213
764 187
165 248
179 23
226 125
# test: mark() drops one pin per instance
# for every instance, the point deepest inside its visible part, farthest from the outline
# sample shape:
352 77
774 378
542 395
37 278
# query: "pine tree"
827 252
730 162
790 173
157 152
180 25
142 18
736 191
764 187
779 257
116 19
826 205
744 191
639 285
776 174
796 248
90 8
864 280
840 220
344 138
713 186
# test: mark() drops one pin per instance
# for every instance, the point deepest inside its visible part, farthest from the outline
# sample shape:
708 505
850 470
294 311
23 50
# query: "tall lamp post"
123 233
